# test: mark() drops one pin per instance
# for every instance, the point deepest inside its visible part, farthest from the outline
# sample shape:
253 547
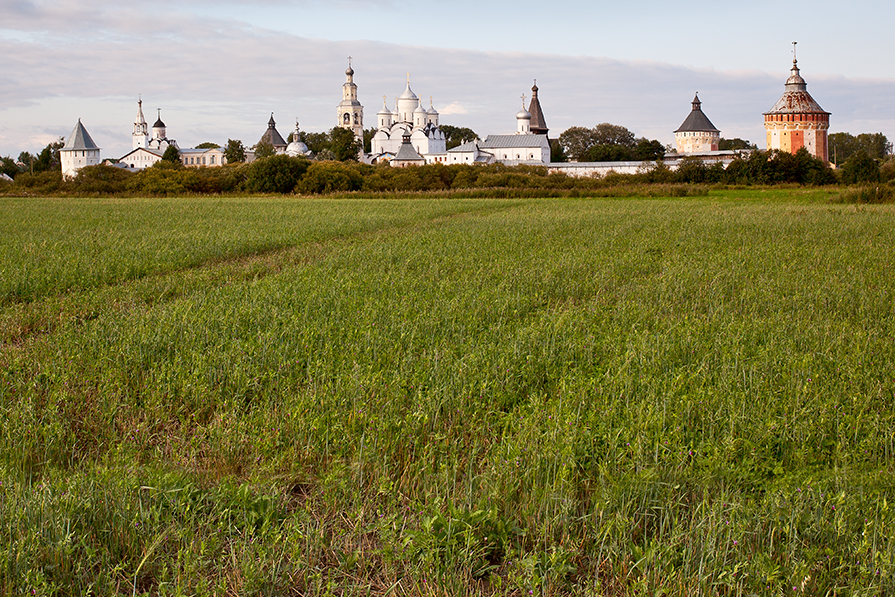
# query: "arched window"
346 118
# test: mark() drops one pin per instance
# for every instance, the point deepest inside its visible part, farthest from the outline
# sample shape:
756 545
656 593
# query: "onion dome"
384 111
432 111
523 114
408 93
296 147
697 121
795 98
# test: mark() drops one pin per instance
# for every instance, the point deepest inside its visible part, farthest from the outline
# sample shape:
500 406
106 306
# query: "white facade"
141 157
409 118
79 151
350 111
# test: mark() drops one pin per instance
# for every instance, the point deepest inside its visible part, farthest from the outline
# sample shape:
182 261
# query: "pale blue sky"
217 69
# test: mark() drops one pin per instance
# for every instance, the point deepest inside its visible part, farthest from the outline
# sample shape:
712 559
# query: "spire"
271 123
538 123
697 105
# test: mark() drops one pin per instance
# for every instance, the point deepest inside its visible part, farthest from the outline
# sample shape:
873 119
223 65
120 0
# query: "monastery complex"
411 135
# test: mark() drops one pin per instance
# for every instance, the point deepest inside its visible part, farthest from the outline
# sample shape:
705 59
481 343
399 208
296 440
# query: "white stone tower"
141 128
79 151
697 134
350 111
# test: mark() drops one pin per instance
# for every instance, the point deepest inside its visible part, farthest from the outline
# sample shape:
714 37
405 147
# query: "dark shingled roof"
407 153
697 121
538 124
272 136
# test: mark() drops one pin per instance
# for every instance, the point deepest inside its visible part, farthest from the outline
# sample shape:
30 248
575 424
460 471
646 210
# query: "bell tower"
141 128
350 111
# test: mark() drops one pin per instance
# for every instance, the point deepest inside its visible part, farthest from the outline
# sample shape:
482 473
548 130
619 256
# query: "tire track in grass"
21 322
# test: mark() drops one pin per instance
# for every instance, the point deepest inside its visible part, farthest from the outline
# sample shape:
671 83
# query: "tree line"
285 174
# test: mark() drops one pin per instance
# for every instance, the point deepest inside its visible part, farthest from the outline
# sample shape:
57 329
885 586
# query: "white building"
411 120
525 147
350 111
697 134
147 149
79 151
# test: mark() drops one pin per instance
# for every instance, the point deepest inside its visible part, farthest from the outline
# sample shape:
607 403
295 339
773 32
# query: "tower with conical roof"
538 124
273 137
697 134
350 111
796 120
79 151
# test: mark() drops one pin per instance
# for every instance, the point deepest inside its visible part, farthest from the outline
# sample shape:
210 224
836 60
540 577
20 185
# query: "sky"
218 69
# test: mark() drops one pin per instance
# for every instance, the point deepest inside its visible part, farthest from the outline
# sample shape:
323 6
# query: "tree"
235 151
736 143
576 141
557 154
860 168
207 145
344 145
455 136
368 139
647 150
276 174
613 134
264 149
48 159
8 167
316 142
172 154
843 146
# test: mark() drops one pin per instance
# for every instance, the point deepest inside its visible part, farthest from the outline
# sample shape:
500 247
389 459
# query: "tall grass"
613 396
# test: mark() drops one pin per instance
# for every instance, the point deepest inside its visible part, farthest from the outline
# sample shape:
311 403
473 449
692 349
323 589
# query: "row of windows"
193 161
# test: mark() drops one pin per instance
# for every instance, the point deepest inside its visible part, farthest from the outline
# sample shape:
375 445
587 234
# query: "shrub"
333 177
276 174
102 179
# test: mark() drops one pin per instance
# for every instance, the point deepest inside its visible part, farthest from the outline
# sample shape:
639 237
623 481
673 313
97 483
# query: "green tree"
48 159
330 177
368 139
275 174
576 141
646 150
207 145
235 151
613 134
172 155
344 145
316 142
8 167
860 168
557 153
455 136
736 143
263 149
842 146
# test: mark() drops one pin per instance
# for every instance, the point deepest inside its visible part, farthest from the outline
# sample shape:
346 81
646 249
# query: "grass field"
275 396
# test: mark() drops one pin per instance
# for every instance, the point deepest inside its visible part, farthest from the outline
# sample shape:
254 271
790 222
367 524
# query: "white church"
411 135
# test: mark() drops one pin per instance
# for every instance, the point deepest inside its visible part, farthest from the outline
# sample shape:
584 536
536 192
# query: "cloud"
219 78
454 108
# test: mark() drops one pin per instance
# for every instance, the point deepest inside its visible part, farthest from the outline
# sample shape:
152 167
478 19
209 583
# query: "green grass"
448 397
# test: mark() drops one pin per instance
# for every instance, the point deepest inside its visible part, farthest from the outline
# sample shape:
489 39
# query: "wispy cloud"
219 78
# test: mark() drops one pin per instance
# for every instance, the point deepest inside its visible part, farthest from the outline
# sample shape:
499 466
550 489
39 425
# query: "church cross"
523 100
794 51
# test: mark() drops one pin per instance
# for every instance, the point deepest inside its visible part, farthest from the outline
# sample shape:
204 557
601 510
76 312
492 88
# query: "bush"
860 168
869 194
275 174
107 180
333 177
